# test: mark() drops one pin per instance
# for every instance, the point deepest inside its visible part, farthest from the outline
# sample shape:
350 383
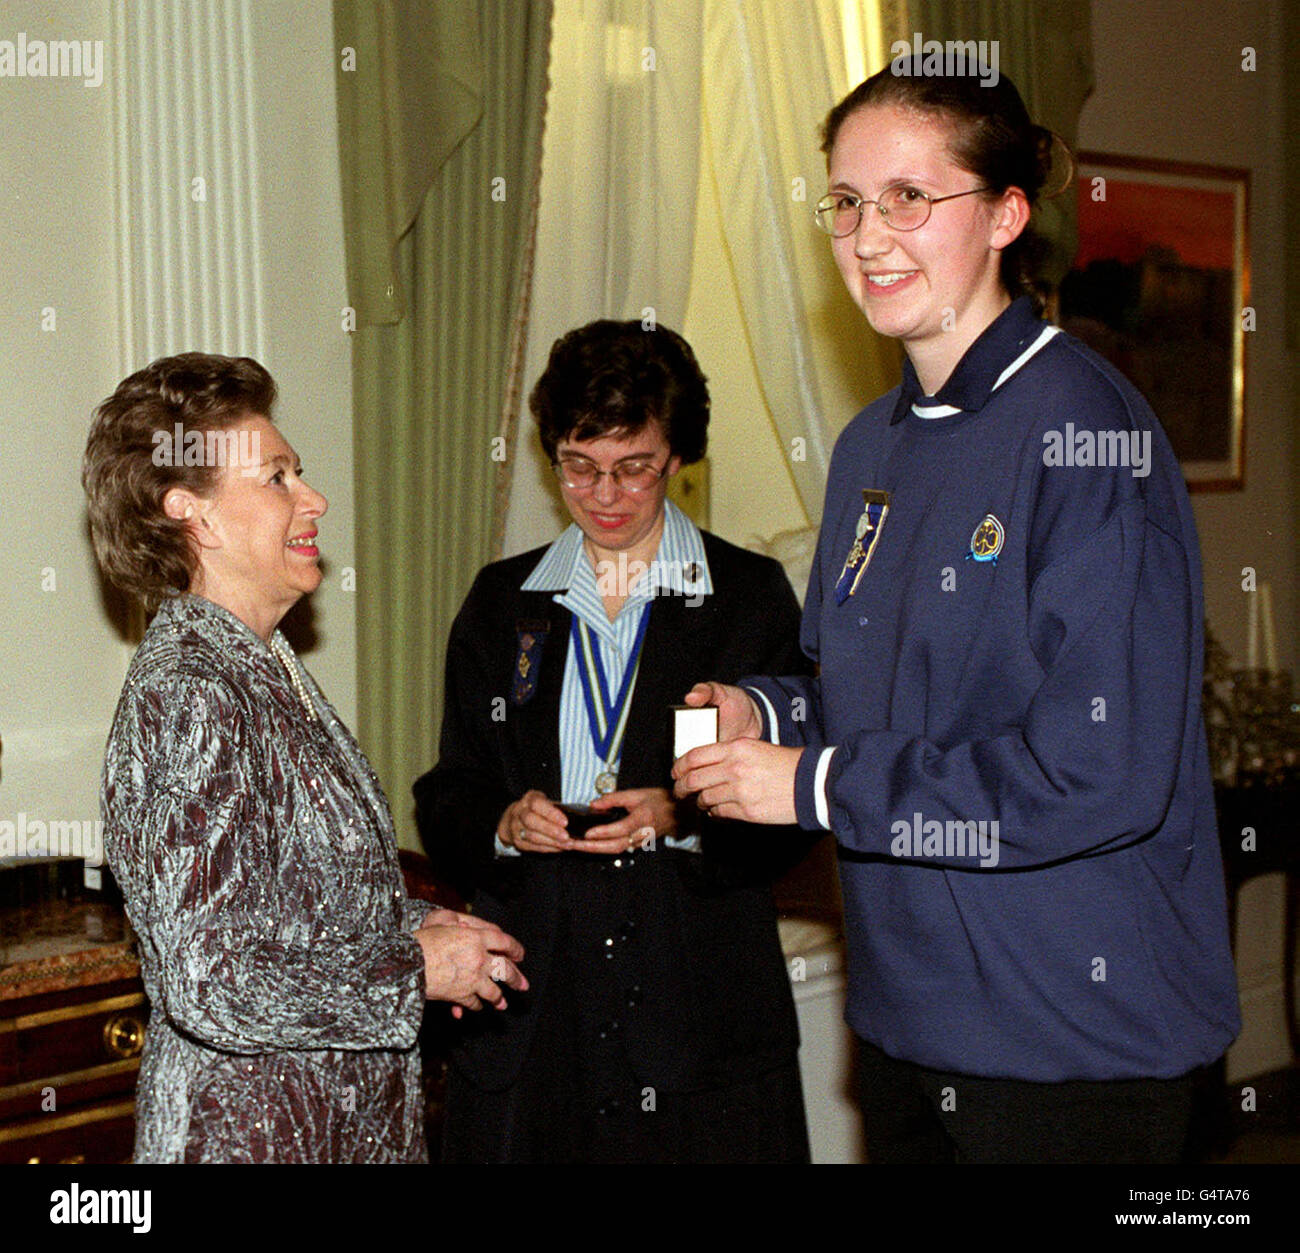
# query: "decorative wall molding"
186 180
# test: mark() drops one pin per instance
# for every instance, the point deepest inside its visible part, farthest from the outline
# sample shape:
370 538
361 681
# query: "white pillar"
188 248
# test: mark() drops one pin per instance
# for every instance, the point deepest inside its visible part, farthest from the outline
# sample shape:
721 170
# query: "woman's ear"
1010 218
184 506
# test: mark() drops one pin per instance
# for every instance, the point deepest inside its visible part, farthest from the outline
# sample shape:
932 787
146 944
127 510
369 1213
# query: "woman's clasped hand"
535 824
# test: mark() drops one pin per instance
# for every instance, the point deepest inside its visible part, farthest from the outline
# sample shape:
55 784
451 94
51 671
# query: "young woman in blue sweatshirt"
1005 735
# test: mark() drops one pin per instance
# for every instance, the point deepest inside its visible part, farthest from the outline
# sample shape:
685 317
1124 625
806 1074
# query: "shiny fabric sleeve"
413 912
241 968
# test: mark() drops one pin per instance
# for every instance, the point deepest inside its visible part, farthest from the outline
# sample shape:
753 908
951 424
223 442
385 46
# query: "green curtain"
441 155
410 90
1045 48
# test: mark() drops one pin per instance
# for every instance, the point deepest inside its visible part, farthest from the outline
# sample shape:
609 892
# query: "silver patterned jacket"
256 854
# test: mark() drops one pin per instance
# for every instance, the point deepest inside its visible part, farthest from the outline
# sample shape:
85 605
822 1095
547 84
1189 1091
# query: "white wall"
61 664
1174 88
61 660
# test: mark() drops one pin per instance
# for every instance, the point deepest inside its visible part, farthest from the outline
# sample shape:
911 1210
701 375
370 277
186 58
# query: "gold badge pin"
866 535
987 539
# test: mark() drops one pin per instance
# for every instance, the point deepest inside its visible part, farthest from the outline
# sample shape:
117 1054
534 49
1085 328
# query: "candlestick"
1270 638
1252 630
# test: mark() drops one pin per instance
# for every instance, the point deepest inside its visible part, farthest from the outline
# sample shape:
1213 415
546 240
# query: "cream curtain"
653 105
769 85
1291 127
440 128
617 215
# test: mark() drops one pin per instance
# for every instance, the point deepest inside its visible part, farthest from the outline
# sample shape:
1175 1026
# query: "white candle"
1252 629
1270 639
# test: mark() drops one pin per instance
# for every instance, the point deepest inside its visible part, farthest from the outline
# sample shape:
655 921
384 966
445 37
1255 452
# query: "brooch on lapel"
987 539
866 535
530 637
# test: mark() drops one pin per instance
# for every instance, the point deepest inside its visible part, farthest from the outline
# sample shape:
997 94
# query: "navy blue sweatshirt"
1006 735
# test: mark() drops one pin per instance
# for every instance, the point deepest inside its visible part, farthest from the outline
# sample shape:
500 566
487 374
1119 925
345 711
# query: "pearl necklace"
295 677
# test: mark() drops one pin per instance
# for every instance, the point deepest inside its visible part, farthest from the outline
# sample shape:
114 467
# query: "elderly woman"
286 969
660 1025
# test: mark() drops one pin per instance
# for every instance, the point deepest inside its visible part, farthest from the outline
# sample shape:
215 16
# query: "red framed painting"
1161 286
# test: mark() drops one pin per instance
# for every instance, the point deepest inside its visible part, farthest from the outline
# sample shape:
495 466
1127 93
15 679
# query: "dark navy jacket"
1054 691
714 1005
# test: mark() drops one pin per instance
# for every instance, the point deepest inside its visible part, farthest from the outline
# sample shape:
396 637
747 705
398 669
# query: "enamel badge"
529 640
986 540
866 534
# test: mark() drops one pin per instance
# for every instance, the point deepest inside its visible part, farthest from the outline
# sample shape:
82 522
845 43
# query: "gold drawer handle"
124 1035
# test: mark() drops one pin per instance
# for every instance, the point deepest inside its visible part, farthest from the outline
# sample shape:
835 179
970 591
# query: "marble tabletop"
49 946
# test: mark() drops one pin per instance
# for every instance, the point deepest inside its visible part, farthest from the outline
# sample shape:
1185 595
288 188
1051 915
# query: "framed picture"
1160 286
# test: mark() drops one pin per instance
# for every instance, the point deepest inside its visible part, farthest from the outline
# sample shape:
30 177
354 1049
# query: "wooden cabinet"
73 1018
68 1065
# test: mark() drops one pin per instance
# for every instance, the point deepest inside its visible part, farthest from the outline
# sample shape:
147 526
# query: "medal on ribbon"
866 535
606 716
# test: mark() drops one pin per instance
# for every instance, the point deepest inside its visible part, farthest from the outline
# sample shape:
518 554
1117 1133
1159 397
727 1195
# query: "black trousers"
916 1115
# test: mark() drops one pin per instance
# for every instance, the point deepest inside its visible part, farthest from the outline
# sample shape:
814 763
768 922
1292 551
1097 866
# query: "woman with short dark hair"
286 970
608 376
659 1026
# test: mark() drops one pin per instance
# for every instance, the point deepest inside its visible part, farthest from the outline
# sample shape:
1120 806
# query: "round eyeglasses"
629 476
903 208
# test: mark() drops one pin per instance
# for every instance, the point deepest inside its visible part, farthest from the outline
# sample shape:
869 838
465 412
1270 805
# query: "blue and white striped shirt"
679 566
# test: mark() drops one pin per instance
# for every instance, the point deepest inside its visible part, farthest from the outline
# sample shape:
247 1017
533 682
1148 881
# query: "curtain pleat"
410 90
769 86
616 223
428 394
